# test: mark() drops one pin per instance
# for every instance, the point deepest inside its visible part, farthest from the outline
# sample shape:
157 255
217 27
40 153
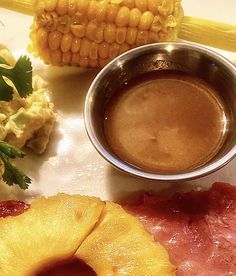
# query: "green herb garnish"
21 77
11 174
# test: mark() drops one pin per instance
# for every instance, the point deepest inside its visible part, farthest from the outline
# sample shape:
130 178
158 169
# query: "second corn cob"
90 33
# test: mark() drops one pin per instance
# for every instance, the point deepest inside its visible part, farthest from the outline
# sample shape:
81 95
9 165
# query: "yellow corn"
215 34
24 6
92 32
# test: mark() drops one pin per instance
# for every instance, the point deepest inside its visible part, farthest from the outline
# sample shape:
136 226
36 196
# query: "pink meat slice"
12 208
197 228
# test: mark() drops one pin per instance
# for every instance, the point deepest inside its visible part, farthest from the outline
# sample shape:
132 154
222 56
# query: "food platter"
71 164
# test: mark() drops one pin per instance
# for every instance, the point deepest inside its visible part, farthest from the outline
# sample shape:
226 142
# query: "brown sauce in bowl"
165 122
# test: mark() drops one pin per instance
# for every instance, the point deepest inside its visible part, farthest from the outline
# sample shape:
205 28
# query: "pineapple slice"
119 245
52 229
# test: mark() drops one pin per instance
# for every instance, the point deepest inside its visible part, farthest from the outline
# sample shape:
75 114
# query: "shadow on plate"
15 193
68 87
32 162
120 185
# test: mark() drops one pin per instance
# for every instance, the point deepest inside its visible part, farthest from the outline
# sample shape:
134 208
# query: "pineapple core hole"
69 267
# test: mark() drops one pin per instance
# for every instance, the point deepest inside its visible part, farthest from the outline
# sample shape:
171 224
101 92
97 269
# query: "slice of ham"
197 228
12 208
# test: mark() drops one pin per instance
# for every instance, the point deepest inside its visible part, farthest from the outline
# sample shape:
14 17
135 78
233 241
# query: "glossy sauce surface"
165 123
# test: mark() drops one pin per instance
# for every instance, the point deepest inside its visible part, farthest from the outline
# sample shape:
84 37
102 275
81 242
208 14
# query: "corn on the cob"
92 32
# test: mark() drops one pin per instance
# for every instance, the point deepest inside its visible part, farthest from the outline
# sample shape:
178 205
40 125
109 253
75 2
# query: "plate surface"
71 164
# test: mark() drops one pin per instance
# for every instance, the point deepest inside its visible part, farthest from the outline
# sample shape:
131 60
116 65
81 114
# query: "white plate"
70 163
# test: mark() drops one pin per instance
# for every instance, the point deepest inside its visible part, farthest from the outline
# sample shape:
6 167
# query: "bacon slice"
12 208
197 228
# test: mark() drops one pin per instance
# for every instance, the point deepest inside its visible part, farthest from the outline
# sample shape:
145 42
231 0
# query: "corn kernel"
79 19
117 2
49 21
152 6
146 21
75 45
142 5
66 42
142 37
114 50
91 30
78 30
134 18
93 52
110 33
156 24
93 63
66 58
121 35
153 37
165 7
46 55
169 5
103 61
83 62
103 50
112 12
98 38
40 7
171 32
56 57
50 5
83 6
62 7
171 21
122 18
131 35
128 3
42 38
101 11
54 40
123 48
162 36
84 47
75 59
92 10
72 7
63 24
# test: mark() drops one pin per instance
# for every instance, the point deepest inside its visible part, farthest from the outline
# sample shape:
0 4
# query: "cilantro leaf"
10 151
11 174
20 75
3 61
6 91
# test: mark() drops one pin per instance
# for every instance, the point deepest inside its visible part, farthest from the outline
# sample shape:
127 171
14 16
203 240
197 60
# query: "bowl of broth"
164 111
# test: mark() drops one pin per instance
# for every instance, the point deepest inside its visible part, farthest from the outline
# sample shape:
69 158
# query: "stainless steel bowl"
185 57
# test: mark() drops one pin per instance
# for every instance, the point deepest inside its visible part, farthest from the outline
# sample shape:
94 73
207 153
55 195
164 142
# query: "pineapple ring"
119 245
50 228
101 234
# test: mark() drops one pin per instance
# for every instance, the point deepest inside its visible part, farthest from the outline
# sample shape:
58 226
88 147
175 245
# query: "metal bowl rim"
118 163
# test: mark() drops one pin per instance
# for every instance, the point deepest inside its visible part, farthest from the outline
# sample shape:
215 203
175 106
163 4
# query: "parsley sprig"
11 174
20 75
